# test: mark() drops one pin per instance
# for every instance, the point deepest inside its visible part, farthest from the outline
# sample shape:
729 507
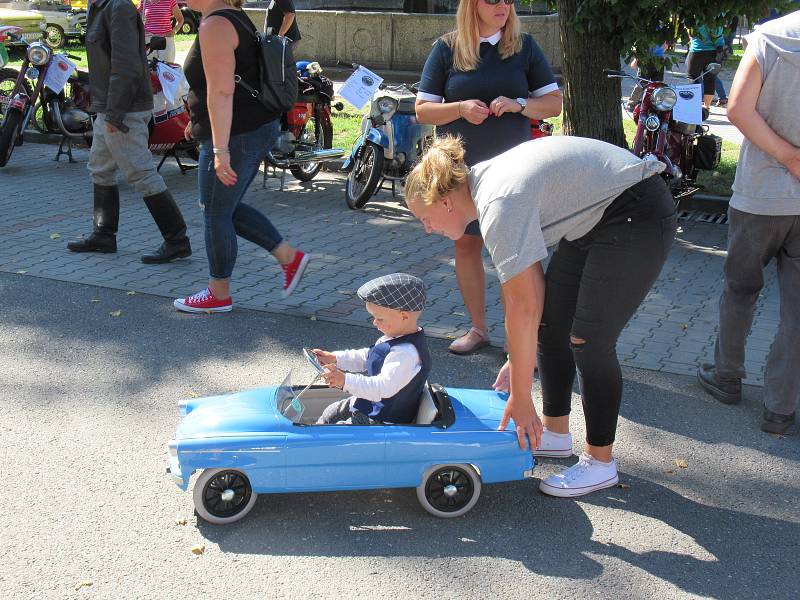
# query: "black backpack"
277 89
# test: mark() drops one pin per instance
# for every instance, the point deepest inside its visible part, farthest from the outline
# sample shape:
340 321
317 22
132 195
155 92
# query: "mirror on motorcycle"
714 68
157 43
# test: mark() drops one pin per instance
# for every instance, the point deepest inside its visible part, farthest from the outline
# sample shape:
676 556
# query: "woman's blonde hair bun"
440 170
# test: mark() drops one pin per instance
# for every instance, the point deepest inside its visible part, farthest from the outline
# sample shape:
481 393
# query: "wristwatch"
523 102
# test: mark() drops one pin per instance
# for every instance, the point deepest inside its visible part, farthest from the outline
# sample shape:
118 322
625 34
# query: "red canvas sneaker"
203 302
293 272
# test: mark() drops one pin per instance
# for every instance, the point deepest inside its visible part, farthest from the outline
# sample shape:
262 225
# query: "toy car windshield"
288 403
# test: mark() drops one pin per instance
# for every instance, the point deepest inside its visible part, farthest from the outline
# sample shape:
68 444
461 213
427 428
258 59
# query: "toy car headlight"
664 98
38 54
387 105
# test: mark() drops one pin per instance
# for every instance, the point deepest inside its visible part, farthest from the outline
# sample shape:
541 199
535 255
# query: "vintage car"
266 440
62 22
31 23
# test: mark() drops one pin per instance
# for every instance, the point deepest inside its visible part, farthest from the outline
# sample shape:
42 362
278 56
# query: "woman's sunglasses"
493 2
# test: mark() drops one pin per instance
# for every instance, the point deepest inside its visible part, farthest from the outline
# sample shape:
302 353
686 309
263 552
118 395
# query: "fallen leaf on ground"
115 313
670 471
313 317
131 293
684 326
84 583
623 486
681 463
55 236
194 395
198 549
180 520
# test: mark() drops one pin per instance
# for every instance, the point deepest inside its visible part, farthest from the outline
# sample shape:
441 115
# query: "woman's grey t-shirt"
545 190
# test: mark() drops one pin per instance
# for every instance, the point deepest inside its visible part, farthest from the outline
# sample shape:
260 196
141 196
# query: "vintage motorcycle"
306 137
22 98
684 148
391 143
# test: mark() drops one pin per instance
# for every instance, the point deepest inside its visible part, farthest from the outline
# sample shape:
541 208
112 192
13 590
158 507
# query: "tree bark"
591 100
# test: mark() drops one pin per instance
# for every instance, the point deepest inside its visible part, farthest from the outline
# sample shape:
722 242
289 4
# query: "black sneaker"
727 391
774 423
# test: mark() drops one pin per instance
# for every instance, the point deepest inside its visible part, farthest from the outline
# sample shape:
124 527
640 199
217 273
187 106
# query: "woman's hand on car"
473 111
187 131
502 382
528 425
333 376
324 358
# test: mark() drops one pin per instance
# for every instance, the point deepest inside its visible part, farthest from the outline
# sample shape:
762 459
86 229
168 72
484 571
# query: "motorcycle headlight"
387 105
38 54
664 98
314 68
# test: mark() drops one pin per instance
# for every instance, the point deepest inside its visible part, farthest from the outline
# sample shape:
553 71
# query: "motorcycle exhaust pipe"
301 158
55 109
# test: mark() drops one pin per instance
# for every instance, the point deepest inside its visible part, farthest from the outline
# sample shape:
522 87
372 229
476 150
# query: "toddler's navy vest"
403 406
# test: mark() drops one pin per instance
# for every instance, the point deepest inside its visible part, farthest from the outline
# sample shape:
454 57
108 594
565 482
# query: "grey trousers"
754 240
126 152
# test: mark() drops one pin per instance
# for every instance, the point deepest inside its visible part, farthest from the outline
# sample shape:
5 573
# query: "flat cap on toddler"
399 291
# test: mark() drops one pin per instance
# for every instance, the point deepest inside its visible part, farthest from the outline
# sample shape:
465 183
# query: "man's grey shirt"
540 192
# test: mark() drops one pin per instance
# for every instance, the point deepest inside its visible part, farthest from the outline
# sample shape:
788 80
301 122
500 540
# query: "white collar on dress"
493 39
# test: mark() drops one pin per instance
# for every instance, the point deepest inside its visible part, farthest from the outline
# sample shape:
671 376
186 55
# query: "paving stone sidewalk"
47 203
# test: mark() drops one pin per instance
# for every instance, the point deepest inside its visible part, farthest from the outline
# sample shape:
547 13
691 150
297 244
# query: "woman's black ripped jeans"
593 287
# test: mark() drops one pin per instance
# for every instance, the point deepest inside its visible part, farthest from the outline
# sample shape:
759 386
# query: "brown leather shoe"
470 342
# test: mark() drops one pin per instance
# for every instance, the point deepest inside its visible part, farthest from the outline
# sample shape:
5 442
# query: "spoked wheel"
449 491
187 27
54 36
312 138
364 176
223 496
10 132
8 79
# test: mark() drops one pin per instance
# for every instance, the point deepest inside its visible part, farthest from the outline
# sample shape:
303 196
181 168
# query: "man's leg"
782 373
103 171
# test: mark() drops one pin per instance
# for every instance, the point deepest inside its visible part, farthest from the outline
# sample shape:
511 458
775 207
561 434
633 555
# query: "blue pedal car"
265 440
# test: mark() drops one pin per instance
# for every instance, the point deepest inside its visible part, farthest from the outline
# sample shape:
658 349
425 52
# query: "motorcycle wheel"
364 176
307 171
11 130
8 79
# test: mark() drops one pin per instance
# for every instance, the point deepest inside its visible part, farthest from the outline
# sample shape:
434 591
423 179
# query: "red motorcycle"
306 137
683 147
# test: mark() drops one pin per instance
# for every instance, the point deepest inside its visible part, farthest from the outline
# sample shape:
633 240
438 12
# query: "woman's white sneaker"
554 445
585 476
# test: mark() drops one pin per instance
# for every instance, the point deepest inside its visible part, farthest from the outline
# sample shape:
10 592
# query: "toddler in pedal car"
396 366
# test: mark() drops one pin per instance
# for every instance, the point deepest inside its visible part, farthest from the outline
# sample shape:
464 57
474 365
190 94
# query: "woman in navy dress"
484 82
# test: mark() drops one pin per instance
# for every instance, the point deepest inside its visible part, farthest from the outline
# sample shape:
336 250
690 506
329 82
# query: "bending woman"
484 81
235 132
612 219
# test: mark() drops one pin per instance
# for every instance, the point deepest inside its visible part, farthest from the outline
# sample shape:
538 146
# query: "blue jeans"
226 216
719 88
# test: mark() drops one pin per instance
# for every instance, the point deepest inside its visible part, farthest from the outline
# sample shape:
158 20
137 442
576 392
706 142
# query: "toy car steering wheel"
312 360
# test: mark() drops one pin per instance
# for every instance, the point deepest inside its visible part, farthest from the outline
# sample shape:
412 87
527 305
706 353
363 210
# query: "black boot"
170 222
106 220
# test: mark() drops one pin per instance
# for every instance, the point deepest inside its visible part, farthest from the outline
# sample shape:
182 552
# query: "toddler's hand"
324 358
333 376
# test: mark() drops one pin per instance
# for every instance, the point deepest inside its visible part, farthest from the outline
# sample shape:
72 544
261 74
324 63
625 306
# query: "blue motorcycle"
391 143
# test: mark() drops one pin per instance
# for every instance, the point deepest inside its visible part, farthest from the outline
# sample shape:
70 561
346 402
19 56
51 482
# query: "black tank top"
248 113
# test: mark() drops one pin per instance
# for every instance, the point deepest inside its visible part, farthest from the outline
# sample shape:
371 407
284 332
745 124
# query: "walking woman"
612 220
484 81
235 132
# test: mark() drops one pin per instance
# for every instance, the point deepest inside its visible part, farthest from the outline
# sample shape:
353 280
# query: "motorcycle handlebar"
72 56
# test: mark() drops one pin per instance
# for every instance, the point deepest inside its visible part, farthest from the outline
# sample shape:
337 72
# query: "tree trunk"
591 100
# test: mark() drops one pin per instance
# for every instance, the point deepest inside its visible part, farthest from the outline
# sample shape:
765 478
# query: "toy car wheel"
449 491
223 496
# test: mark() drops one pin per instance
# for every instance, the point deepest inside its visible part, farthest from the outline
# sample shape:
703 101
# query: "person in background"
283 20
123 101
157 16
719 87
703 49
763 222
484 82
235 132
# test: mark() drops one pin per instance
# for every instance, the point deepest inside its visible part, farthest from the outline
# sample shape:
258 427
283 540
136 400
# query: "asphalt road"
88 401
